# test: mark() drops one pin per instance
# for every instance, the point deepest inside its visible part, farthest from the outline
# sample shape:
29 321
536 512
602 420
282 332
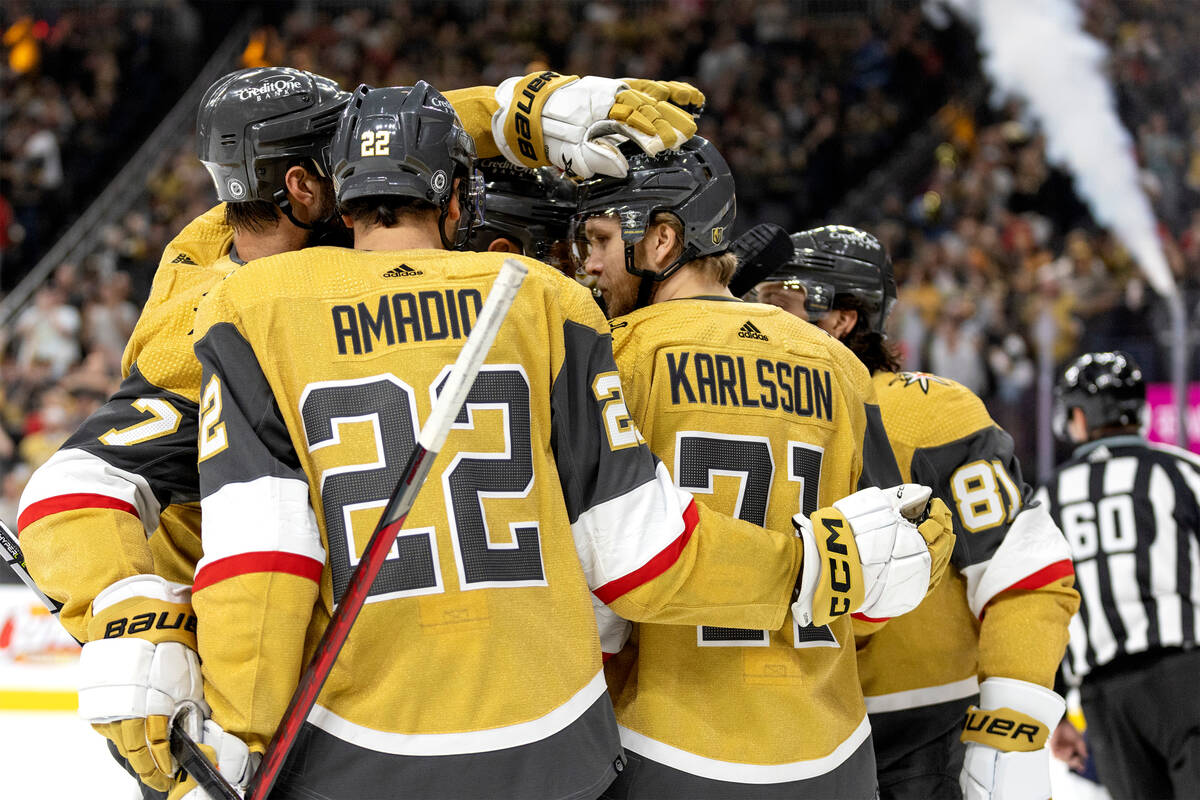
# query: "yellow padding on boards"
38 700
1004 729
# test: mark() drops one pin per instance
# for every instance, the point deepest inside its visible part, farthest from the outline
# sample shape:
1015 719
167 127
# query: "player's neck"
399 237
283 238
689 282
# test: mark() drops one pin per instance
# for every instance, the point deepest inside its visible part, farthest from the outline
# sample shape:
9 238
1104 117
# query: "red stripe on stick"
655 566
247 563
71 502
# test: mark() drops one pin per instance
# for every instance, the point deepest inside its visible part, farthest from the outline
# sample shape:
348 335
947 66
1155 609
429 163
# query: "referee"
1131 512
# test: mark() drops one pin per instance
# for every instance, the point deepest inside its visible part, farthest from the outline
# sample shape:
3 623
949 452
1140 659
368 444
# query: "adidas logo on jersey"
183 258
749 331
402 271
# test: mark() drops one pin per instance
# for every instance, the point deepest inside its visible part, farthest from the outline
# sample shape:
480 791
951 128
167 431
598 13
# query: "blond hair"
720 267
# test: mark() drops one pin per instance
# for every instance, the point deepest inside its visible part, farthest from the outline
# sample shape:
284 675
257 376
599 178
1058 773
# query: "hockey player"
1131 513
994 631
87 516
526 211
474 670
762 416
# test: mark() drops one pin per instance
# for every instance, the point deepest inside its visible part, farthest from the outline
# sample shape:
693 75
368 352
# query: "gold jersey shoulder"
161 343
921 409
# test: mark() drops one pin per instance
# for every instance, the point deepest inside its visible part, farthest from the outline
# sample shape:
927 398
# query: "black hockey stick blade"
10 549
760 251
189 755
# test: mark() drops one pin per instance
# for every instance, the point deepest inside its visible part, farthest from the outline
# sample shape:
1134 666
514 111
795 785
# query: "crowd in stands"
991 241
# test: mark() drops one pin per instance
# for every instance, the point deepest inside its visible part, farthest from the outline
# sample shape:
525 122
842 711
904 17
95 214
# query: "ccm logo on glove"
131 626
839 602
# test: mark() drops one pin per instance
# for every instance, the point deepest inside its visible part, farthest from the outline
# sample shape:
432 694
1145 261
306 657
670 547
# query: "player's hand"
863 555
138 665
1006 756
577 124
1067 744
232 757
678 93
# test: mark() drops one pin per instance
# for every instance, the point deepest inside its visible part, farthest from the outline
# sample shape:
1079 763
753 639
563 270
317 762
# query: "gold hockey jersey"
760 415
1005 603
475 662
130 469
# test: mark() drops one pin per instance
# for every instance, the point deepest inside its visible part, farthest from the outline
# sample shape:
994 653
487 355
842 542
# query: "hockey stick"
189 755
183 746
11 550
432 437
760 251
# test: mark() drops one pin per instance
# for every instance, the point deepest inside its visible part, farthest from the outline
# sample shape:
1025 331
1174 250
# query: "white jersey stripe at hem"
927 696
744 773
447 744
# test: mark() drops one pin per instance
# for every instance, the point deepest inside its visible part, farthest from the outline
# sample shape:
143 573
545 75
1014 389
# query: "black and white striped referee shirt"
1130 510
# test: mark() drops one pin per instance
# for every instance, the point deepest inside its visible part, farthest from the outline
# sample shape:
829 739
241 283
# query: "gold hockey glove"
577 124
139 663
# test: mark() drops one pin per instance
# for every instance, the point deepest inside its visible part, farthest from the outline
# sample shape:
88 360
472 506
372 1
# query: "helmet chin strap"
650 277
285 205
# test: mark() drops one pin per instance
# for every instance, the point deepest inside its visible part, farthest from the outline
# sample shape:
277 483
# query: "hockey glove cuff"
1006 756
831 579
140 662
576 124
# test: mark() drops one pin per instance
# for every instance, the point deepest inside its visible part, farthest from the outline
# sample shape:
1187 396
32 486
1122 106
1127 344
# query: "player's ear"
303 186
841 321
503 245
663 241
455 209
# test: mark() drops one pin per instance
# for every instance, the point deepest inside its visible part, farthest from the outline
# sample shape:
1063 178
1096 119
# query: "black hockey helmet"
530 206
1108 387
693 183
406 141
254 124
837 260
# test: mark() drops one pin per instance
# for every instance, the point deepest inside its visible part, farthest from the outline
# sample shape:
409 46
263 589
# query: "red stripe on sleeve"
71 502
865 618
247 563
1044 576
655 566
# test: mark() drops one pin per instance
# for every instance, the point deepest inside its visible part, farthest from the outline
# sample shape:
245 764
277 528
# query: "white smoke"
1037 52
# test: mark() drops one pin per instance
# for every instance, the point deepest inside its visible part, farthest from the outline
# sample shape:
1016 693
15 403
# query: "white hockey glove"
576 123
232 757
138 665
876 552
1007 757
